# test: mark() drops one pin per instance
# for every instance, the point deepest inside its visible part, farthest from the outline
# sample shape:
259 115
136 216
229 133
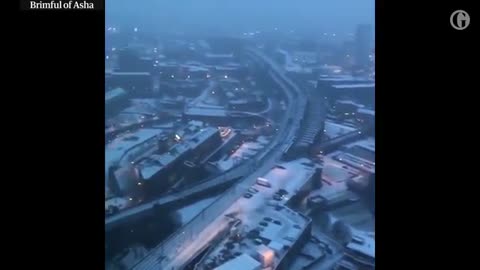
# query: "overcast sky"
339 16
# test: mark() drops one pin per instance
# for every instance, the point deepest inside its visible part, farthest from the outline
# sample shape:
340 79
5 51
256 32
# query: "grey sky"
242 15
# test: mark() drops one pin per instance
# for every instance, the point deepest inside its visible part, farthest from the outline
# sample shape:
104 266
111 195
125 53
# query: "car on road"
277 222
253 190
269 219
282 192
247 195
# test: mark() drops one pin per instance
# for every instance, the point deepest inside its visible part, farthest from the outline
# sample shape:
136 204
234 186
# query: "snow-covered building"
125 149
361 250
193 144
267 230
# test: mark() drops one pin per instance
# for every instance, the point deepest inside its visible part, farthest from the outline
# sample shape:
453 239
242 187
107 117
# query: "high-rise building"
363 44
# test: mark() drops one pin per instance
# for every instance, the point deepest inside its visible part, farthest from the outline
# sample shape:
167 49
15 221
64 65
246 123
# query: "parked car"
247 195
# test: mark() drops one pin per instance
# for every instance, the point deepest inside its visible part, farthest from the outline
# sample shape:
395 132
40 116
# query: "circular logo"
460 19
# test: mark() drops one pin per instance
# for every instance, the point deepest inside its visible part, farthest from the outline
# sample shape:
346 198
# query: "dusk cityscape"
240 135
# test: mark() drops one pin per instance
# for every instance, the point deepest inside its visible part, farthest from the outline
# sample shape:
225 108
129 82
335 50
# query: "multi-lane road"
185 248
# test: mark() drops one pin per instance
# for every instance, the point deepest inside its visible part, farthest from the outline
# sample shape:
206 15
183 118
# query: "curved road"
187 248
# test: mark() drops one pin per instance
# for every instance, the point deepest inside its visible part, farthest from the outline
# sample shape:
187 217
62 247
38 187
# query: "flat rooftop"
357 85
246 151
206 112
266 228
334 130
114 93
120 73
359 154
154 163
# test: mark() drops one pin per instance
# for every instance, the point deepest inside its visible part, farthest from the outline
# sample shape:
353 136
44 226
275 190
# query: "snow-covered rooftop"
120 145
242 262
118 73
359 154
368 144
245 151
344 78
366 111
226 68
195 68
131 146
280 225
218 55
117 92
205 112
350 102
154 163
333 130
359 85
366 248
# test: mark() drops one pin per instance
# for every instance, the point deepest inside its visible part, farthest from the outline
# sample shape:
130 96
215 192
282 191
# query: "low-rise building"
191 145
115 101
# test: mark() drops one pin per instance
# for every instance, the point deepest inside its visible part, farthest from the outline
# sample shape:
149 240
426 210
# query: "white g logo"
459 19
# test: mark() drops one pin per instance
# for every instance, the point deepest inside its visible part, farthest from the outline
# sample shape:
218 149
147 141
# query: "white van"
263 182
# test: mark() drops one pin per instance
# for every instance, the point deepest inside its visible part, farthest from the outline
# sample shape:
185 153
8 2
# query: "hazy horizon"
236 16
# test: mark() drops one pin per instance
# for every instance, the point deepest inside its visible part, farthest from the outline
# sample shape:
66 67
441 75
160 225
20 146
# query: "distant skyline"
235 16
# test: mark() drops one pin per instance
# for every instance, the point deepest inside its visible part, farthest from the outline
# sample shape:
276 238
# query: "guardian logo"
459 19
